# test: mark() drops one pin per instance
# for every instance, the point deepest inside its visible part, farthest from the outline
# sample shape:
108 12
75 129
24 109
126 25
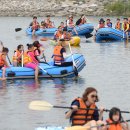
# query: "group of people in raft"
85 113
47 23
32 57
125 25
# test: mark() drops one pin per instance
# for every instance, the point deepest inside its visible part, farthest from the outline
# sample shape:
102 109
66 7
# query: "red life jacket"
35 25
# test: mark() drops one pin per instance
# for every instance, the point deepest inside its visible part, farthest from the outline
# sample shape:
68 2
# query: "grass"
120 8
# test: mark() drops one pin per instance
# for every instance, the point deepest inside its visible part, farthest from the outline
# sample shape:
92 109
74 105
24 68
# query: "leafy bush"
119 8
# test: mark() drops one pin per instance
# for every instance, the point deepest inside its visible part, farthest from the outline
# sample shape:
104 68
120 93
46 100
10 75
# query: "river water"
107 69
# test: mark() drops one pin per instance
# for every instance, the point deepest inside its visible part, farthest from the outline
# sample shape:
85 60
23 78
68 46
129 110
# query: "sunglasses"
93 96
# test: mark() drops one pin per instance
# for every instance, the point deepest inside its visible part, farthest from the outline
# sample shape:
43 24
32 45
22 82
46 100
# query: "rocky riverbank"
52 7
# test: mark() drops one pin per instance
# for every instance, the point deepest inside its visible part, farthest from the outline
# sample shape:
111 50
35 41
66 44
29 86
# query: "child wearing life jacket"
35 25
43 25
58 34
37 50
109 23
101 24
115 117
30 61
17 58
118 25
3 62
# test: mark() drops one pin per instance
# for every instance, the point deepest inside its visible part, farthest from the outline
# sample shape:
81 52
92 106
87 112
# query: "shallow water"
107 69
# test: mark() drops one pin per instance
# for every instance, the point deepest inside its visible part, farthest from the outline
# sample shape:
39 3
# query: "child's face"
116 117
5 53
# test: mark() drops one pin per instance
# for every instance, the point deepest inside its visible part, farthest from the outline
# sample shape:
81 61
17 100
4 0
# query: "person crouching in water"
115 117
3 62
59 54
17 58
30 60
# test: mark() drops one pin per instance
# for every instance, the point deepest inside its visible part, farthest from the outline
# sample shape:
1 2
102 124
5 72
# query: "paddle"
45 71
89 127
18 29
74 64
46 106
9 59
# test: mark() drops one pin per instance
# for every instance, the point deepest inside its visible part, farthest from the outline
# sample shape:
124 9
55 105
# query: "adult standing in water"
82 117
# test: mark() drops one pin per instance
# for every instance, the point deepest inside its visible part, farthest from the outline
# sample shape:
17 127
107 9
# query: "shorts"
31 65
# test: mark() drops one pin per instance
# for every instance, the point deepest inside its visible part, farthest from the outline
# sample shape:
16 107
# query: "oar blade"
40 106
76 128
75 70
18 29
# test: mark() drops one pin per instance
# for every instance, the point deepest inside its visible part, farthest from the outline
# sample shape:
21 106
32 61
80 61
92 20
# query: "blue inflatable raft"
110 34
42 32
54 71
83 29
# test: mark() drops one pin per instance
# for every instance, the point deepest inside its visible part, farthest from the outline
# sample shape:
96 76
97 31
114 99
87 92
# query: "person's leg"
65 64
36 72
3 73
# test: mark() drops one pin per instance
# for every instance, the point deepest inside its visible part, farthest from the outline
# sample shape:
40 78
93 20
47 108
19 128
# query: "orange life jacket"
27 58
18 55
118 26
81 117
58 57
2 62
58 35
35 25
114 126
101 25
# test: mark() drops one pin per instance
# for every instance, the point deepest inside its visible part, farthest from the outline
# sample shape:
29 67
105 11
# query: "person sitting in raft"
47 21
17 57
43 25
118 25
78 116
116 118
82 20
3 62
59 54
125 27
34 25
51 25
109 23
70 24
58 34
38 51
30 61
101 24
